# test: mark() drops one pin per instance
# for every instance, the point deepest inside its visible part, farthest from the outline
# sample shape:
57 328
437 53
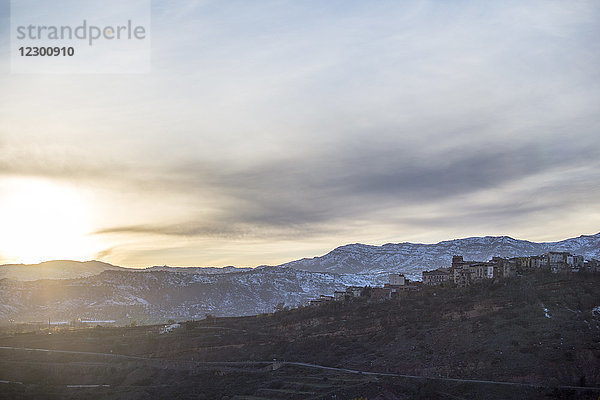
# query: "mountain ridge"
157 294
355 258
412 258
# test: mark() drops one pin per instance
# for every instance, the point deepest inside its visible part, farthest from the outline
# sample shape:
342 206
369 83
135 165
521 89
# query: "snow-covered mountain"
106 292
412 258
156 296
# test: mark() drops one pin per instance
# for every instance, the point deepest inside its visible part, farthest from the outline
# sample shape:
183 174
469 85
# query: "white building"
397 280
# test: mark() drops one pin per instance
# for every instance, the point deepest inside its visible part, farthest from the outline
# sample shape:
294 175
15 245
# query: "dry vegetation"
498 331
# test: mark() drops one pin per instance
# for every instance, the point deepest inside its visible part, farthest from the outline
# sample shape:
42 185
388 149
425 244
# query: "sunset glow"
42 220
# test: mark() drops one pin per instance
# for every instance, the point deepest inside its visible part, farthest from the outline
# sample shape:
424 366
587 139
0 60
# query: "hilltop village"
464 273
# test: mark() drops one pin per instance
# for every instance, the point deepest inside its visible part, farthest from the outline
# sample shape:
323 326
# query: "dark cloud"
223 230
183 229
304 196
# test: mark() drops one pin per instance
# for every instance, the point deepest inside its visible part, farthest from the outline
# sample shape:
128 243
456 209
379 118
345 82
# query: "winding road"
293 363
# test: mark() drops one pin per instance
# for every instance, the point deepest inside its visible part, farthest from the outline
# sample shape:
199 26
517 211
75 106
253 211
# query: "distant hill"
413 258
66 269
59 269
127 295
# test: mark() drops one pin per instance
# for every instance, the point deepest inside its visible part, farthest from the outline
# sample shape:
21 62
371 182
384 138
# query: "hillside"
156 296
537 330
411 258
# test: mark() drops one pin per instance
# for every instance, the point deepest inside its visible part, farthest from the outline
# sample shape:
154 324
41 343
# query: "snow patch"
546 312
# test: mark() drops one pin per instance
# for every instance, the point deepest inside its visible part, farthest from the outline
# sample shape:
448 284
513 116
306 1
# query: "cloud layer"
272 130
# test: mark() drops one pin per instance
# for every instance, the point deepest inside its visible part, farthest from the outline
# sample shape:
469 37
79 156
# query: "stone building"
436 277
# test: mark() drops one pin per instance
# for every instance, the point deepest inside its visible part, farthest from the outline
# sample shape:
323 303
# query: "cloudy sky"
273 130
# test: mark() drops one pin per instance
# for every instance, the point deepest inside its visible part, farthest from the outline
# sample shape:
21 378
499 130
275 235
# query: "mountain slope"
413 258
156 296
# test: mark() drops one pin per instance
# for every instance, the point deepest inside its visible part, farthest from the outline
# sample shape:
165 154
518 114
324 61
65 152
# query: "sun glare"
41 220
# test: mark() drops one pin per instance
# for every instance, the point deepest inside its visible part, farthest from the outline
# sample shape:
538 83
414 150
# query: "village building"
575 262
339 295
503 267
535 262
522 264
561 261
557 257
381 293
529 264
322 299
436 277
592 265
354 291
465 273
398 283
397 280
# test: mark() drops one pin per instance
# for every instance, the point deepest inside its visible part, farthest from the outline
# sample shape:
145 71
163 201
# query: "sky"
267 131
